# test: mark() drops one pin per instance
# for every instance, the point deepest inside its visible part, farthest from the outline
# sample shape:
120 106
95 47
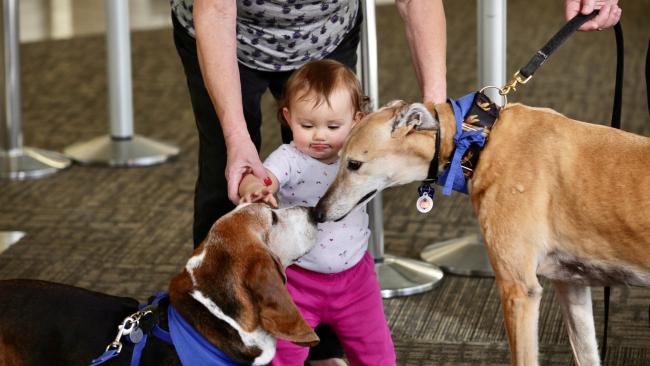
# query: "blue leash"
114 349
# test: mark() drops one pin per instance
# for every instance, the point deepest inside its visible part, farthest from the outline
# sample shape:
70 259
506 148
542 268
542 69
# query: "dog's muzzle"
318 214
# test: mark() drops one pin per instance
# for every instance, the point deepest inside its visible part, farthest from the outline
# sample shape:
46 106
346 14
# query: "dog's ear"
394 103
277 312
416 116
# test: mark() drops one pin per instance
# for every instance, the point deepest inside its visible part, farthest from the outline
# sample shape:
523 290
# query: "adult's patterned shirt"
282 35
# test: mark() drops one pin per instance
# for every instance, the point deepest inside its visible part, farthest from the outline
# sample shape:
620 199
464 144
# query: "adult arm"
609 13
216 44
426 33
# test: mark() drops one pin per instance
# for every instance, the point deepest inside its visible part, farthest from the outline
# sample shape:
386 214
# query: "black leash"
545 52
525 73
647 75
616 123
618 87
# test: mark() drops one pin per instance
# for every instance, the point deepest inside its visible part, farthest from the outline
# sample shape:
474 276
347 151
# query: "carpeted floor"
127 231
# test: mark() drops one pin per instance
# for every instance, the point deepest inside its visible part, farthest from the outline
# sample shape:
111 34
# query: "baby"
335 283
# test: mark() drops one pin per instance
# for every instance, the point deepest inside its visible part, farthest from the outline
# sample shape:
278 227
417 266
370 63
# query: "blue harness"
453 177
192 348
475 114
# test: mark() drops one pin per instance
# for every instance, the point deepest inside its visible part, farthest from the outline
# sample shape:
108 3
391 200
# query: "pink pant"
350 303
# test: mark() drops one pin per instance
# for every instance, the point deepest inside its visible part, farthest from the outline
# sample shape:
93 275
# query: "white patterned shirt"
303 180
282 35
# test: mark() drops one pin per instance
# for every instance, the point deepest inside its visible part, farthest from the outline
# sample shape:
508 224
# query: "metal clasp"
517 78
116 345
130 323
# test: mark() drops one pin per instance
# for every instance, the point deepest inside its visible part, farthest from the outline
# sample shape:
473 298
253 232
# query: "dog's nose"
317 214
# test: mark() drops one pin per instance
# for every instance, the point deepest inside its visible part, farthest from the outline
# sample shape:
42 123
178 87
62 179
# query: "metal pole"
467 255
491 39
16 161
121 147
370 82
119 69
397 276
11 59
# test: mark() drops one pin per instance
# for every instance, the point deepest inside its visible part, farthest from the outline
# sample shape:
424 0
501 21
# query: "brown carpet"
127 231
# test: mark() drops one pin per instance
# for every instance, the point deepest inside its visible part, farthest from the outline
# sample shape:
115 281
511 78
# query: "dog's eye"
354 165
274 218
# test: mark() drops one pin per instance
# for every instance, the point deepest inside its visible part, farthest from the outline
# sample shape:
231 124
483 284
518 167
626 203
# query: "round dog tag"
424 204
135 335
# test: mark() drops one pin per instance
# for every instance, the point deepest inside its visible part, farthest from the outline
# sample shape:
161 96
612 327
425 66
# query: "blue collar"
452 176
192 348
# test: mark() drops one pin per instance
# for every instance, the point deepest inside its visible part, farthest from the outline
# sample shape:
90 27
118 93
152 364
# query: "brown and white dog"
231 291
554 197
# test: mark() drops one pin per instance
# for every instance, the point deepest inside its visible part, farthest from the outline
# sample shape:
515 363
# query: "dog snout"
318 214
312 215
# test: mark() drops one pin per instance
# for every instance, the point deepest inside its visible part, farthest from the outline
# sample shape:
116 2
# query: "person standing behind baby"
335 283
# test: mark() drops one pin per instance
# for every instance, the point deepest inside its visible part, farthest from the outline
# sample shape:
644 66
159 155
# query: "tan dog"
554 197
231 291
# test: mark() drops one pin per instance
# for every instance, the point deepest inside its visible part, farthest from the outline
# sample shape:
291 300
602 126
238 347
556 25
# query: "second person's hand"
609 13
243 159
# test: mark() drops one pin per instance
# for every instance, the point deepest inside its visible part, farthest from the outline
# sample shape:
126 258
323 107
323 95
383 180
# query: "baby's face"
319 131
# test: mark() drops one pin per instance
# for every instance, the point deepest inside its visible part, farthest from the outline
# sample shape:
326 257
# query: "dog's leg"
520 302
575 302
515 271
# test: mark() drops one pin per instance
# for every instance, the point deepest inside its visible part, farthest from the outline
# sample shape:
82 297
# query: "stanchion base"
461 256
31 163
403 276
135 151
9 238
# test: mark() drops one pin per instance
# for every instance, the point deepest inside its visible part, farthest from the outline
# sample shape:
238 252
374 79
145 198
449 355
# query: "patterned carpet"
127 231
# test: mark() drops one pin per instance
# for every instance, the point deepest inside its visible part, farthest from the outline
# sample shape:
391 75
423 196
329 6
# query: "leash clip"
129 328
125 328
133 327
114 348
517 78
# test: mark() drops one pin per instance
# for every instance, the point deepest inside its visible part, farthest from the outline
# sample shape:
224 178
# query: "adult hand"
609 13
243 159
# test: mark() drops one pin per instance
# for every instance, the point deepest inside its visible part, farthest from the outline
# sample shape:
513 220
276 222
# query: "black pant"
211 191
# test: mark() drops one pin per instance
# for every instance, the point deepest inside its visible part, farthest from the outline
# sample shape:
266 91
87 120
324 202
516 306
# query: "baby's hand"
263 195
